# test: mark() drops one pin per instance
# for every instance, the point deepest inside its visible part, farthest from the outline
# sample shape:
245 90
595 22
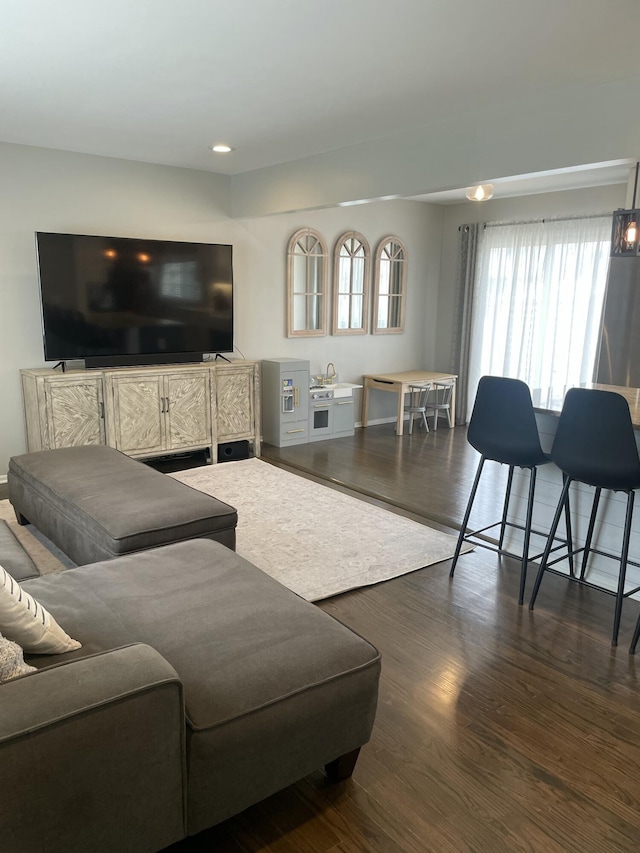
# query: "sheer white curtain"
538 301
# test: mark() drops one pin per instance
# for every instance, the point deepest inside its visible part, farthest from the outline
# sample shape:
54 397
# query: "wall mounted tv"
117 300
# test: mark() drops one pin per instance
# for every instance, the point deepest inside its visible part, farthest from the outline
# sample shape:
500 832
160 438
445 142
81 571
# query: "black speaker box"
231 451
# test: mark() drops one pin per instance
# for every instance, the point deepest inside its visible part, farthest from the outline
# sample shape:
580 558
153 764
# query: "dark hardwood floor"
498 729
426 475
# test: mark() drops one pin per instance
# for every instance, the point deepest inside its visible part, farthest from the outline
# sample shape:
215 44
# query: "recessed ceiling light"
221 148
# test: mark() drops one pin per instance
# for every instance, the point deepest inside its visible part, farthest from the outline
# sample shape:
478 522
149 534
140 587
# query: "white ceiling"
160 80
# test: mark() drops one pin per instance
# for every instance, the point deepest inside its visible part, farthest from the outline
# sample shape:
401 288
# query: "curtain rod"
535 221
547 219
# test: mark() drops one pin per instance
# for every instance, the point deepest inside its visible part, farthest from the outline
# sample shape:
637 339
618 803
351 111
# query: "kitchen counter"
550 401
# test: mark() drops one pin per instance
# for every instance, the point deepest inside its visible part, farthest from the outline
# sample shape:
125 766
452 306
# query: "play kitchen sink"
340 389
344 389
329 379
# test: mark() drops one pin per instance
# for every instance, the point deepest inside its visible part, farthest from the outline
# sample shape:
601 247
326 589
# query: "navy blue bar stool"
636 637
503 429
595 444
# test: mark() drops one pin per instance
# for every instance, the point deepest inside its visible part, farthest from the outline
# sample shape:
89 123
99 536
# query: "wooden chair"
439 401
418 405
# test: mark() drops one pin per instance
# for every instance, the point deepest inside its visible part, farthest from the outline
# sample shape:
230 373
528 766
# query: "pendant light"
480 193
625 236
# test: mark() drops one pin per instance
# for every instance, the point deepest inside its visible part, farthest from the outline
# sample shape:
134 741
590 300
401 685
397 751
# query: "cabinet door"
235 401
75 411
187 405
136 413
343 416
298 380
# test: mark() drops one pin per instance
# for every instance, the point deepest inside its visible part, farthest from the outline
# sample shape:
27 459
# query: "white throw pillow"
25 621
12 660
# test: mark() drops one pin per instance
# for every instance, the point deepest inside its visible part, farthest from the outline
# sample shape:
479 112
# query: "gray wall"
45 190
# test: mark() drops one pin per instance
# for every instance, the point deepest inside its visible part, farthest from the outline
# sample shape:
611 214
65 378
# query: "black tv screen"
118 300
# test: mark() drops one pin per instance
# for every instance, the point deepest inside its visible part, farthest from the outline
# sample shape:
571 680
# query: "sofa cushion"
24 620
238 639
13 556
94 503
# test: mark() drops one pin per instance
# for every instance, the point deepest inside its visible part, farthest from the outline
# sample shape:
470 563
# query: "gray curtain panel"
469 236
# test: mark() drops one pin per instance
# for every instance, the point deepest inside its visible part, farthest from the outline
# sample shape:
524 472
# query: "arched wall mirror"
390 278
352 260
308 258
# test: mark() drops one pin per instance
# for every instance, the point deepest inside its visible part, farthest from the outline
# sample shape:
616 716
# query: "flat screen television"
117 300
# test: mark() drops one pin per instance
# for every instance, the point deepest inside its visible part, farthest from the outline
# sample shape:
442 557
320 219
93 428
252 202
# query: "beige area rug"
313 539
43 552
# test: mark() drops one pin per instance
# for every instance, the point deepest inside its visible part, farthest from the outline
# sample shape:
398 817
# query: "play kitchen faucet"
329 377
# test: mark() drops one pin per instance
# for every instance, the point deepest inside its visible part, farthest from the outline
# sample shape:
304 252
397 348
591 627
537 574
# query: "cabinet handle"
162 409
102 409
321 406
167 399
296 396
290 431
345 403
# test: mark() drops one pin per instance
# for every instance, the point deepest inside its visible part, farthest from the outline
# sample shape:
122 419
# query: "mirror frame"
402 250
363 327
322 293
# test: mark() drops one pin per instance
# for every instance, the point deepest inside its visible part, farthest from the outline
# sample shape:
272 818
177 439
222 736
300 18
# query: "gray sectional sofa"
202 686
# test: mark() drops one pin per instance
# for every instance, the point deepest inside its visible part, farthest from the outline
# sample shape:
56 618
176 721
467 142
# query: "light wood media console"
144 411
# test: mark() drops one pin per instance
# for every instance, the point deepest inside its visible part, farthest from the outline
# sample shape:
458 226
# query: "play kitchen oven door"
320 414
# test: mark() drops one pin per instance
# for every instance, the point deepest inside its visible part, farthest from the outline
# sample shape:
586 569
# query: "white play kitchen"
298 407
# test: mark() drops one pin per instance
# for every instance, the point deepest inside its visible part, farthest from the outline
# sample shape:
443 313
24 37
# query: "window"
307 284
389 288
351 285
537 303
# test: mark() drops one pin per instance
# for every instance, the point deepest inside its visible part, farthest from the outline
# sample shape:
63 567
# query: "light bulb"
631 233
480 193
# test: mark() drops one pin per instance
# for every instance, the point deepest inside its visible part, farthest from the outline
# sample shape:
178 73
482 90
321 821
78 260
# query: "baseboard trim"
3 479
377 421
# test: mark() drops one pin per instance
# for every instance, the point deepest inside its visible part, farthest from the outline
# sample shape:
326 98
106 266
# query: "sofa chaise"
202 686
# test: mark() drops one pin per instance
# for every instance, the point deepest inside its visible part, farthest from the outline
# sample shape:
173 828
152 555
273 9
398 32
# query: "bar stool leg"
567 524
623 567
547 549
636 637
527 533
467 513
590 529
505 508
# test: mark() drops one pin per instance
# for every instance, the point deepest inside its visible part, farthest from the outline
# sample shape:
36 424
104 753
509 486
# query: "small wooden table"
399 384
